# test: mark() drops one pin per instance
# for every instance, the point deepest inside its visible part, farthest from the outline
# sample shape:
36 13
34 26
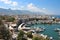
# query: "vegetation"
39 38
7 18
29 34
21 35
10 19
4 32
36 38
2 17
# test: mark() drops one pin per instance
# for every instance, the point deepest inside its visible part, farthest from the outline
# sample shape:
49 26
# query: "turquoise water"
49 30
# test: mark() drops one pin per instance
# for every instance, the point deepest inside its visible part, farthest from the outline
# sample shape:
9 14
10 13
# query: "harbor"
41 27
49 30
47 27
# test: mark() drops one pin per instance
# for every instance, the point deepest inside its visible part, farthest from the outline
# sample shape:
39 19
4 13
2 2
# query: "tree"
4 32
29 34
20 35
2 17
39 38
10 19
47 38
35 38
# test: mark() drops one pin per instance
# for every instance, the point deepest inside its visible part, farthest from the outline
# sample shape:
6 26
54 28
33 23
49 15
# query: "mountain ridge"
18 12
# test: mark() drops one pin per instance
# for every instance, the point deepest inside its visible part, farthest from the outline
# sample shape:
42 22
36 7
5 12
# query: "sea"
49 29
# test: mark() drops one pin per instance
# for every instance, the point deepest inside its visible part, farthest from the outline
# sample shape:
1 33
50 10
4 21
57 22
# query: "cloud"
32 7
3 7
22 8
9 2
14 3
6 1
43 8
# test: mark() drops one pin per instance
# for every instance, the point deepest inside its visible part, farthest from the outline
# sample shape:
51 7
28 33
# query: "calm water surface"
49 30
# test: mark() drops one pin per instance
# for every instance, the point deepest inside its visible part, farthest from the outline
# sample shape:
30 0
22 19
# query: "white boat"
57 29
59 32
51 38
39 29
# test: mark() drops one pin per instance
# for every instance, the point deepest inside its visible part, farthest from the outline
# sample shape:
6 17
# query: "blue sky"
46 6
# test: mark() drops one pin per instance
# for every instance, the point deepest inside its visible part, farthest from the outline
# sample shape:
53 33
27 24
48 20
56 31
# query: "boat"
57 29
51 38
42 27
39 29
59 32
27 25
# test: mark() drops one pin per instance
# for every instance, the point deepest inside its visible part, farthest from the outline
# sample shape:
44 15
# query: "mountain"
17 12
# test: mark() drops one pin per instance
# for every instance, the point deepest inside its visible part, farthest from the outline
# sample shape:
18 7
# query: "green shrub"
36 38
10 19
29 34
20 35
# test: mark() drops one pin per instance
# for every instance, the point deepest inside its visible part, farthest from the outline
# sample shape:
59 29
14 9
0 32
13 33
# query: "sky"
45 6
